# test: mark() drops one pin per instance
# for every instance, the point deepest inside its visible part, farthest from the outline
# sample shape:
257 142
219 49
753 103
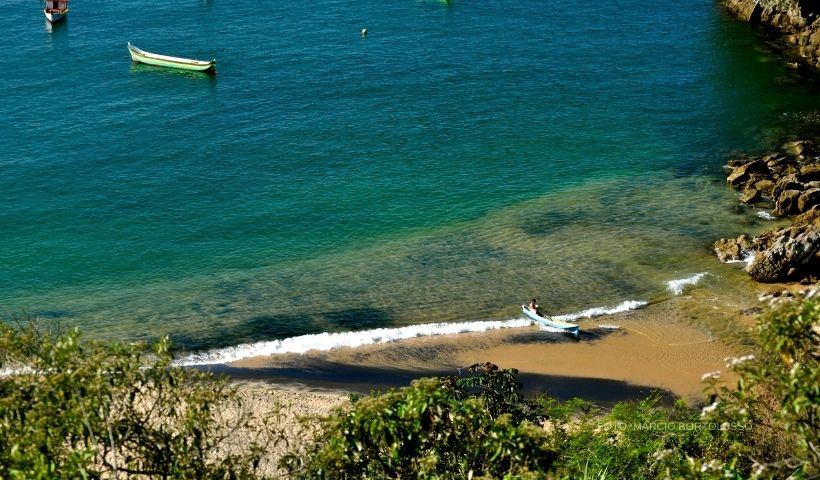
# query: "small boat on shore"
149 58
55 10
570 328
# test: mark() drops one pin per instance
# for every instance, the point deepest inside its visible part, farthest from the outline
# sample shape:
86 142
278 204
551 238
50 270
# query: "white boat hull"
570 328
55 16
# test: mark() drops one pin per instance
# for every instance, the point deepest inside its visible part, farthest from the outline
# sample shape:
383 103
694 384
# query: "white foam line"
677 286
765 215
329 341
597 312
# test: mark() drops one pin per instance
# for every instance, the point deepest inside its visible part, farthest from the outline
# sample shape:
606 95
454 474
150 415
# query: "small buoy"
364 32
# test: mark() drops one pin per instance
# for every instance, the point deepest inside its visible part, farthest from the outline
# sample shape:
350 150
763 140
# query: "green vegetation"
766 426
450 427
93 410
777 399
90 410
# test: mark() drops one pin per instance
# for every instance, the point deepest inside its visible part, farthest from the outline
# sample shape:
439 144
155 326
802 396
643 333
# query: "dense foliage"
766 426
77 409
451 427
776 399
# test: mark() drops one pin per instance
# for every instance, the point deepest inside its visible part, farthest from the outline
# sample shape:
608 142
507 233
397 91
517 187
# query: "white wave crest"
765 215
597 312
747 258
328 341
677 286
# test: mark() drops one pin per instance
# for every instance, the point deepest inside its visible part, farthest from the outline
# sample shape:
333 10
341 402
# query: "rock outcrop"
791 253
795 19
788 178
787 181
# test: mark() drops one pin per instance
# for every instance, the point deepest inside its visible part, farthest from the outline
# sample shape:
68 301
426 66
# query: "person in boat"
533 306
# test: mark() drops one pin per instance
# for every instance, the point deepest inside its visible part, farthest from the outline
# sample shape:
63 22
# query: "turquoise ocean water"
459 159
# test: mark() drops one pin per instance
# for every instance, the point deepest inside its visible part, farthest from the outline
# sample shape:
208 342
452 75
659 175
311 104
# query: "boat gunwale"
54 14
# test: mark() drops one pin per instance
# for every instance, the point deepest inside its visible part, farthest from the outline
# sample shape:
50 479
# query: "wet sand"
666 346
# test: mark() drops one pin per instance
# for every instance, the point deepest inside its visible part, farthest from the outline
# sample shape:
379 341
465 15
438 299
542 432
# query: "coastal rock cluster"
795 19
788 181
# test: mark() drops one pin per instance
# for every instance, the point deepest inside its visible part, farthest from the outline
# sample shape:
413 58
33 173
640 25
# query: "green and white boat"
149 58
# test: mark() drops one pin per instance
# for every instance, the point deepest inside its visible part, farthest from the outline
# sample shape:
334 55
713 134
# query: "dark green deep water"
456 161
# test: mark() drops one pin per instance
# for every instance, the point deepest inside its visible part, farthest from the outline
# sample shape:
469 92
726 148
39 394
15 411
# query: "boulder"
743 173
765 187
788 259
809 219
736 162
795 147
750 195
765 239
729 249
808 199
754 179
778 163
737 177
809 173
786 203
747 10
788 182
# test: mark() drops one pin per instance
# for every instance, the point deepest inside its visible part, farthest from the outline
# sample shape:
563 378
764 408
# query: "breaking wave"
329 341
765 215
597 312
676 287
747 258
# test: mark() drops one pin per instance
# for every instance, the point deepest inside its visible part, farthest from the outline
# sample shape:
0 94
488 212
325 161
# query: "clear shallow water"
456 161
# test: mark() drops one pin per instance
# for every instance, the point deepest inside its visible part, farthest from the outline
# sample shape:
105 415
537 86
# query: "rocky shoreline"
795 20
787 181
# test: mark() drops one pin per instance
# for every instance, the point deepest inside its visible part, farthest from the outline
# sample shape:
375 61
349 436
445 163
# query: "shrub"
80 409
769 422
449 427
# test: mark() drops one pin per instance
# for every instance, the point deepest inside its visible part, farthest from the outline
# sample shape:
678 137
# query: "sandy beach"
666 346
